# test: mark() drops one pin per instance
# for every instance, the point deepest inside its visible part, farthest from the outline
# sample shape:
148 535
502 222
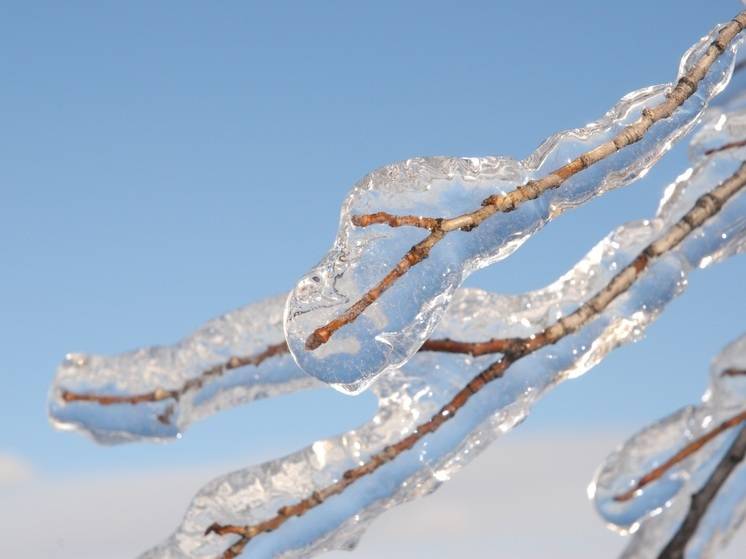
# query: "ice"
657 510
156 392
150 371
409 395
391 329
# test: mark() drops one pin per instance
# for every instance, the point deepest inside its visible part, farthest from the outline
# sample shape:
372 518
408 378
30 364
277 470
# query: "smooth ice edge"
391 330
409 395
657 510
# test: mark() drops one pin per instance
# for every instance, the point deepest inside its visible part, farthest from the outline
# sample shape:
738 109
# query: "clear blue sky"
162 163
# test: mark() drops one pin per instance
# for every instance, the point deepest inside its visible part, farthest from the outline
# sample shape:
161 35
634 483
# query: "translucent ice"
391 329
411 394
656 511
155 392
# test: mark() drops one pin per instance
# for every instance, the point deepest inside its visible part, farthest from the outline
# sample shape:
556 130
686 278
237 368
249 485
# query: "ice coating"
409 395
250 331
658 509
393 327
152 372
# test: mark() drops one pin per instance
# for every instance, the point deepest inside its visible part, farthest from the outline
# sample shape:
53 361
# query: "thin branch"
724 147
385 218
681 455
702 499
195 383
733 373
705 207
445 345
684 88
475 349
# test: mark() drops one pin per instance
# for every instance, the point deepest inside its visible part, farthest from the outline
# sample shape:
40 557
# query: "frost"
657 510
409 395
394 326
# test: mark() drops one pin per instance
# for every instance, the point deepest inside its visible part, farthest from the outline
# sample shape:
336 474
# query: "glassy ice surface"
246 332
657 510
391 329
409 395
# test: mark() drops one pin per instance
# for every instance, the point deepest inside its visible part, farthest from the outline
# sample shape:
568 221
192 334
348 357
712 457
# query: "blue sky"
163 163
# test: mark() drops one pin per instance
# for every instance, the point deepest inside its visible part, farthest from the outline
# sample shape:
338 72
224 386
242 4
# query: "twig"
681 455
445 345
703 498
392 220
705 207
733 373
684 88
195 383
724 147
475 349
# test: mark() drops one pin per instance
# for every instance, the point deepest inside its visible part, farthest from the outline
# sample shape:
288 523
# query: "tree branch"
195 383
475 349
702 499
392 220
724 147
684 88
445 345
704 208
681 455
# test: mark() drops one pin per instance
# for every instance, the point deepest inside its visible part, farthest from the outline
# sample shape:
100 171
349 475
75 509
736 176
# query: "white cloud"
13 470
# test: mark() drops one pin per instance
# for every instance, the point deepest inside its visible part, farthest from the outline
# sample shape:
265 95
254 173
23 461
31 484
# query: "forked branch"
444 345
690 449
705 207
702 499
497 203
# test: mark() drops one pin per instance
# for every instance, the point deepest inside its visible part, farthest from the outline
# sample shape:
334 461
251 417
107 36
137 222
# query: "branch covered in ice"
440 409
156 392
365 308
680 484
